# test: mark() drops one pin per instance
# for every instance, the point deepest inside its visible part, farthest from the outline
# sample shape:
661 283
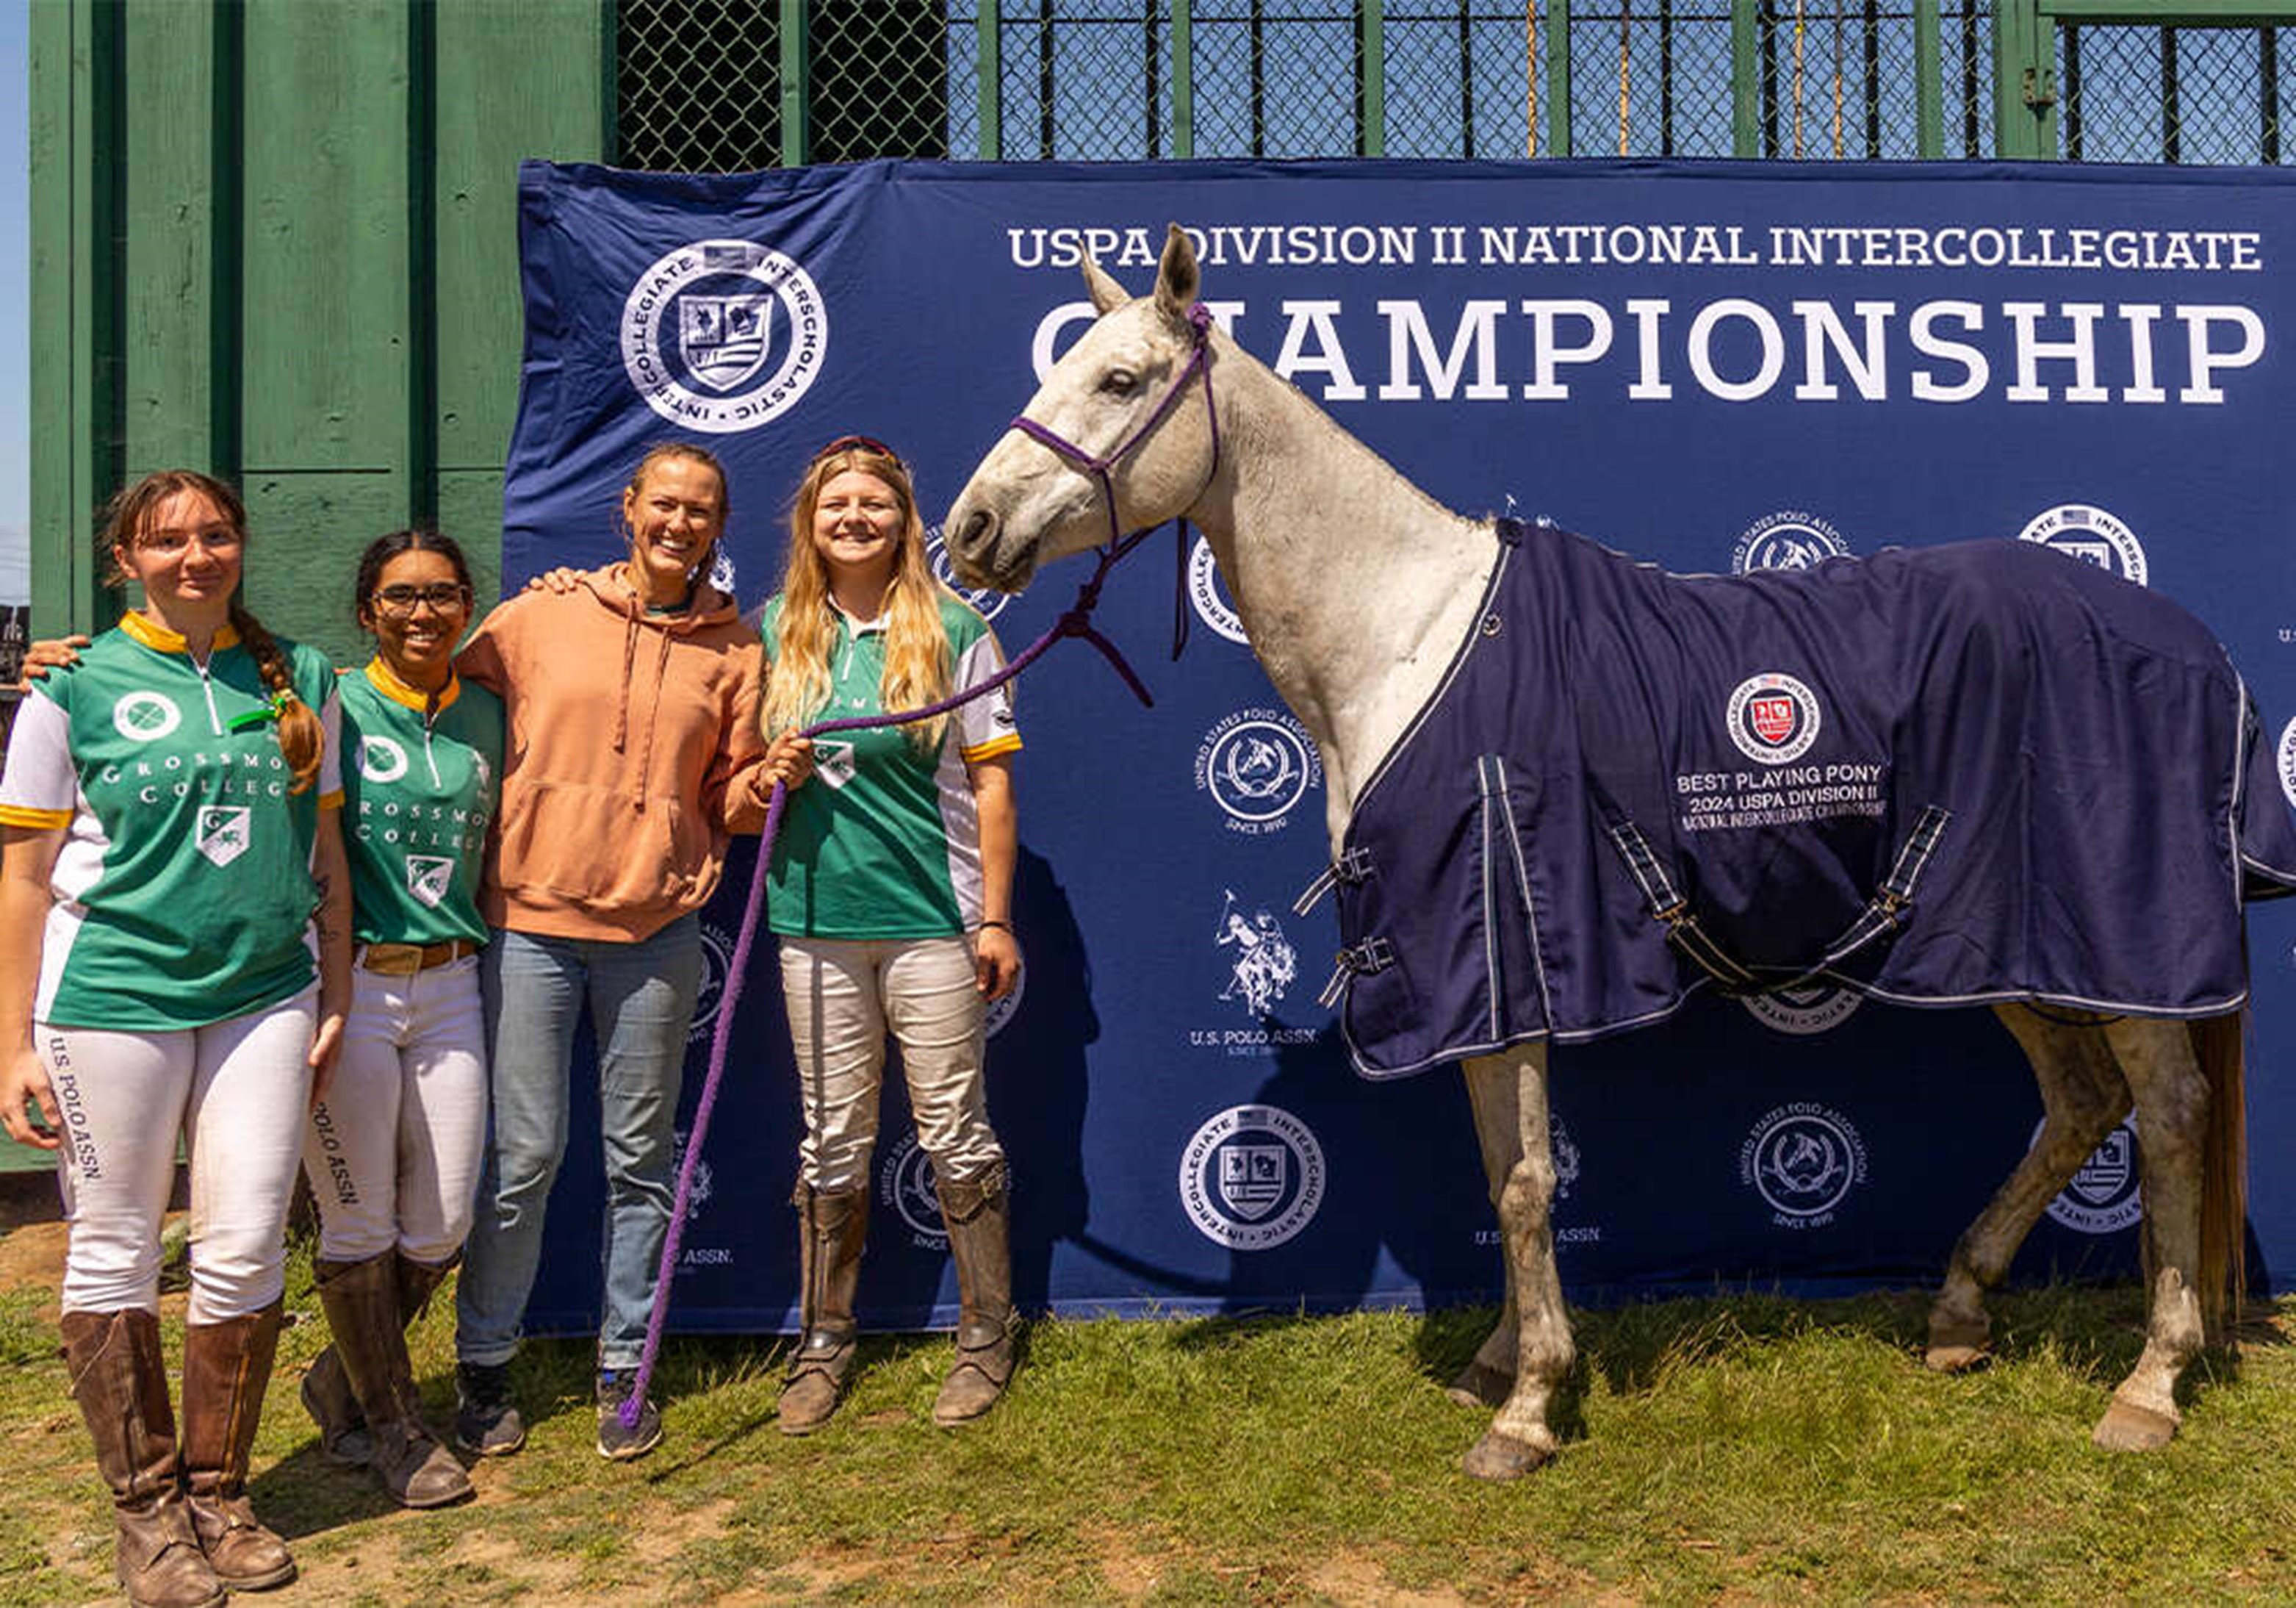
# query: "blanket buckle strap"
1885 912
1373 955
1671 909
1353 867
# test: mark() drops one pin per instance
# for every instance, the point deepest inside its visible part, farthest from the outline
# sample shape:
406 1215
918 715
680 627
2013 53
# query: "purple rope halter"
1075 621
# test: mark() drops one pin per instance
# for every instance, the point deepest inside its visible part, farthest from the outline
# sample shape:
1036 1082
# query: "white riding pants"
843 997
393 1152
235 1092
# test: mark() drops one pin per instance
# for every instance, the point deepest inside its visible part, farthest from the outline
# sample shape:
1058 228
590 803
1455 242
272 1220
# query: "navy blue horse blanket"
1948 775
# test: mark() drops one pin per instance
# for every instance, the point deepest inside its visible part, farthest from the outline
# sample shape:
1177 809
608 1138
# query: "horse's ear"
1107 295
1176 276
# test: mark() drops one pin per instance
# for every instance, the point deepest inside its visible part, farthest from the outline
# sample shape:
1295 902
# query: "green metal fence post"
1929 82
1557 44
1184 80
1371 33
796 40
988 74
1745 77
2024 81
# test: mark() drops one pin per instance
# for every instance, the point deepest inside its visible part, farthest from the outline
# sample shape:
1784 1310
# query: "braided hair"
302 738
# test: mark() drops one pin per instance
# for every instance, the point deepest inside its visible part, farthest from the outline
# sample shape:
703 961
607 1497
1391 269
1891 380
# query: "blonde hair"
302 738
919 664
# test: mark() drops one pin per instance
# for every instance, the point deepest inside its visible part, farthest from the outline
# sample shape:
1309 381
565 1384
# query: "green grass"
1743 1448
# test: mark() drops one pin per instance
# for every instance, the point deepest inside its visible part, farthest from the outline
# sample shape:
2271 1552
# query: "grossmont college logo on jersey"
145 717
381 760
1251 1177
1789 539
220 832
429 878
721 335
2091 535
1773 719
1256 765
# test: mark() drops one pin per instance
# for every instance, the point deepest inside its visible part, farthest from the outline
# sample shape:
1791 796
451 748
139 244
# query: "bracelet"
1007 926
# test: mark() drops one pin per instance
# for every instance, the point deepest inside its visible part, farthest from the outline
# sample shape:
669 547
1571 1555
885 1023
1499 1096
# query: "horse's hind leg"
2172 1098
1520 1438
1488 1377
2083 1094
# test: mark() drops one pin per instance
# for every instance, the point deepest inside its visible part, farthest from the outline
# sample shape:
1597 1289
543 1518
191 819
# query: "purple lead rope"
1076 622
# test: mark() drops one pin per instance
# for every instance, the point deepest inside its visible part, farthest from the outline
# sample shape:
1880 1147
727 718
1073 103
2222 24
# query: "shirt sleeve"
330 761
40 788
985 727
481 658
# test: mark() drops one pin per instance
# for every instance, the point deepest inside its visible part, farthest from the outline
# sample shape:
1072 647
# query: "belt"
404 960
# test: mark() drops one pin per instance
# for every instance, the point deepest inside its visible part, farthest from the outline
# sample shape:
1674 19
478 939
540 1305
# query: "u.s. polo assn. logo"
1209 597
1789 539
428 877
1265 964
221 832
145 717
1803 1159
2104 1196
1256 765
2091 535
1251 1177
721 335
987 603
1774 718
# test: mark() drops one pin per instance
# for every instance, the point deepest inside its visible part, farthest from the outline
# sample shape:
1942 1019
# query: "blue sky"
15 284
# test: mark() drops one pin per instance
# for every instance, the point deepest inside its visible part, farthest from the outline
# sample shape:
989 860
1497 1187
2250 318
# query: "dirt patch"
32 1258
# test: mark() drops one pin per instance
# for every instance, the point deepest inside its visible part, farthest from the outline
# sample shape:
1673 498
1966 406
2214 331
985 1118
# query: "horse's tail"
2219 1046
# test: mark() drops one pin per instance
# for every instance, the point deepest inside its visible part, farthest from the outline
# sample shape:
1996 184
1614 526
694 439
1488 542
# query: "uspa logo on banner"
1773 719
717 964
2288 762
1263 964
1568 1166
906 1184
2104 1196
1789 539
1814 1009
1251 1178
1803 1159
1256 765
2091 535
721 335
1209 594
987 601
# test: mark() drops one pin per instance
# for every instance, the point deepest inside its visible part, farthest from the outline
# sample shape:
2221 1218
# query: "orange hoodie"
632 753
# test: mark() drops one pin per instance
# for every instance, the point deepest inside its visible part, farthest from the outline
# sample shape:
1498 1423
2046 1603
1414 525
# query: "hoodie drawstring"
653 717
630 660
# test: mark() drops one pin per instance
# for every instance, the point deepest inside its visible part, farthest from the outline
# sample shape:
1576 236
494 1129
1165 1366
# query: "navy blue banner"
1714 366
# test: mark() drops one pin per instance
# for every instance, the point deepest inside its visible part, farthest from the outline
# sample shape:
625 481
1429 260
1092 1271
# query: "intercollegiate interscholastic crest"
2104 1196
721 335
145 717
2091 535
1265 964
1789 539
1773 719
1256 765
2288 762
428 877
1814 1009
1803 1160
1251 1178
220 832
985 601
1209 597
381 760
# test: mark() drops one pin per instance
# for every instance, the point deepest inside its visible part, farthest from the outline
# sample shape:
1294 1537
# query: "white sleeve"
985 727
41 785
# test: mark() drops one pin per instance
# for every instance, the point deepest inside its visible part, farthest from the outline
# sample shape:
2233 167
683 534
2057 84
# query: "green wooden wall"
278 239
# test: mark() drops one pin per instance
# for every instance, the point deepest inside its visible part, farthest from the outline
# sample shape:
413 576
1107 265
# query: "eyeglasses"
170 542
444 596
860 444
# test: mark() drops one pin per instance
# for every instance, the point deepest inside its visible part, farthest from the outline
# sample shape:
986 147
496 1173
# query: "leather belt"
405 960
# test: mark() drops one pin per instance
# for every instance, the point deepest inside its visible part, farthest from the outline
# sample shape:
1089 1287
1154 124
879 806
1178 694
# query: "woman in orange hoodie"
632 753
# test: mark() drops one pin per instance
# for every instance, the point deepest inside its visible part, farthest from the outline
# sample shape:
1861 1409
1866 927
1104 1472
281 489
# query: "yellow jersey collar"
391 686
162 640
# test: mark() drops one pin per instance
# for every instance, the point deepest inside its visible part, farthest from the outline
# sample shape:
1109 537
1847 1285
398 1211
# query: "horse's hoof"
2128 1428
1497 1456
1955 1360
1480 1385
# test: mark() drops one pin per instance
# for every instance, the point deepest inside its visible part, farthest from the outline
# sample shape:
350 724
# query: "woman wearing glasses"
171 845
891 893
393 1151
634 752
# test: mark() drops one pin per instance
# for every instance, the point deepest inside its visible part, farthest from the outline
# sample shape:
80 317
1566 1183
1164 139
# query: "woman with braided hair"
169 847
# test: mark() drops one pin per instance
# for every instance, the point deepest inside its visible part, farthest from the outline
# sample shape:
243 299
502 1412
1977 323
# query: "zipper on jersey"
429 717
214 720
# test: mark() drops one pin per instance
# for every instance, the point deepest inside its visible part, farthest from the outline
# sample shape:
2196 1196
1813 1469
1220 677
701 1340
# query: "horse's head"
1028 503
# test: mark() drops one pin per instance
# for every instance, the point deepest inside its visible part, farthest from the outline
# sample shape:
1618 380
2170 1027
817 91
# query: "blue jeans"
641 1000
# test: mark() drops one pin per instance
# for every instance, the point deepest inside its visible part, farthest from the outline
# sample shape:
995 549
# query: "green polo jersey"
417 795
181 892
885 841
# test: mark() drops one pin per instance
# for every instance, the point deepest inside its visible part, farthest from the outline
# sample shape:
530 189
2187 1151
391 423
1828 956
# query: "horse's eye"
1119 382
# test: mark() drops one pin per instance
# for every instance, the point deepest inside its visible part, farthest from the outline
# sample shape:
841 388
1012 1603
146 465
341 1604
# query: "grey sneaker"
486 1420
618 1440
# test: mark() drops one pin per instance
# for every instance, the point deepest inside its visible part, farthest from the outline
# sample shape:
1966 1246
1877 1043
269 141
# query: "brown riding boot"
226 1367
326 1391
120 1379
365 1311
830 1228
977 1212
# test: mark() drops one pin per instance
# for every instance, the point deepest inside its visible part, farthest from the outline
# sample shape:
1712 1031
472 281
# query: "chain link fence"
700 85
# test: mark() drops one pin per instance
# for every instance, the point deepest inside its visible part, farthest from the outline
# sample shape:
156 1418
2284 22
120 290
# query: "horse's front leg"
2172 1099
1520 1438
1488 1377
